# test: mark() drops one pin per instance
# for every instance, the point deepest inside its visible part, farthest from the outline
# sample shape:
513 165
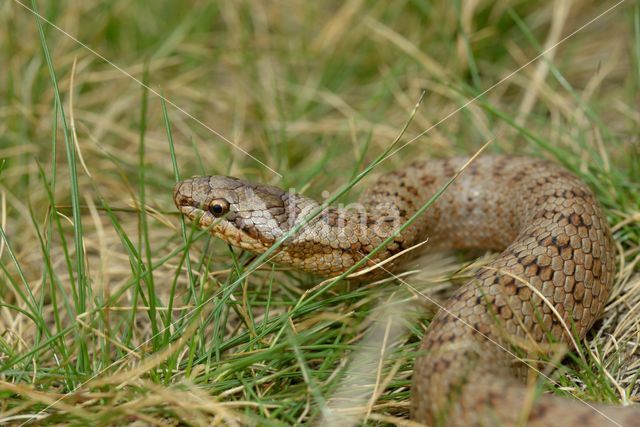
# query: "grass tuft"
113 310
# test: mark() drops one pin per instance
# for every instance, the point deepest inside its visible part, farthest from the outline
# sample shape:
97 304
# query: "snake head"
244 214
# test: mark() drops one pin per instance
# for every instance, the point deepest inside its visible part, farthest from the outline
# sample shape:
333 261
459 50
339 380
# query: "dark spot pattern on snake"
555 271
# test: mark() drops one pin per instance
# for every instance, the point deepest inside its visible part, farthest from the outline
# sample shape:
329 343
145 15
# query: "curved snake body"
552 277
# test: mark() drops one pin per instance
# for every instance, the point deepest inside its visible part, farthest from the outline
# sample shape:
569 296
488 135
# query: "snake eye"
219 207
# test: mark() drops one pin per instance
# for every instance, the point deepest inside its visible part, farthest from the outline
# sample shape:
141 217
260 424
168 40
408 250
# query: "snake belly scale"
555 270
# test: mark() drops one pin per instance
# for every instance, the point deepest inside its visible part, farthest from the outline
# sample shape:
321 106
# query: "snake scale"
550 281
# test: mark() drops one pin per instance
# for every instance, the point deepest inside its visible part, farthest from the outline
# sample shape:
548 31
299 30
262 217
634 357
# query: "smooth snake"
551 279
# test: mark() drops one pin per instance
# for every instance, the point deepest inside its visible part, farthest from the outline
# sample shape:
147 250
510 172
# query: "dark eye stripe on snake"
555 271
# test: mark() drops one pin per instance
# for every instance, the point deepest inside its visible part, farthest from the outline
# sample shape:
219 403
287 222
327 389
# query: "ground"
113 310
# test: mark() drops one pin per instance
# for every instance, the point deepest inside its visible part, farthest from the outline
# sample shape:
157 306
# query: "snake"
548 285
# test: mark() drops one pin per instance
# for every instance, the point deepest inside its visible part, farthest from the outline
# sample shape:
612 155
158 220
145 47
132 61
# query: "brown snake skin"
555 272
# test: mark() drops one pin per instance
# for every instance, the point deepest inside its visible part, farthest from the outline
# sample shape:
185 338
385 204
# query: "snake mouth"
190 212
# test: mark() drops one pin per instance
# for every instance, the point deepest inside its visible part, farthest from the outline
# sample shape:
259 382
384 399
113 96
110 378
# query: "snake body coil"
550 281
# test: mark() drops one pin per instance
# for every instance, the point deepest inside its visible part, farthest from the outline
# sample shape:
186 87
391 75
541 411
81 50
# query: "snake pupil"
219 207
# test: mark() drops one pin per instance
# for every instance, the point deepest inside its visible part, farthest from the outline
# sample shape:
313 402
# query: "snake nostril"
182 194
178 196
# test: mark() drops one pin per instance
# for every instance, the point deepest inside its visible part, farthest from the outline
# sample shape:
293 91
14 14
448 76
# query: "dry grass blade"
316 91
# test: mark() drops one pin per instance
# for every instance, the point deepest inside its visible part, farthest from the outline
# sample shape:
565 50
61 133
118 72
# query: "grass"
114 310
